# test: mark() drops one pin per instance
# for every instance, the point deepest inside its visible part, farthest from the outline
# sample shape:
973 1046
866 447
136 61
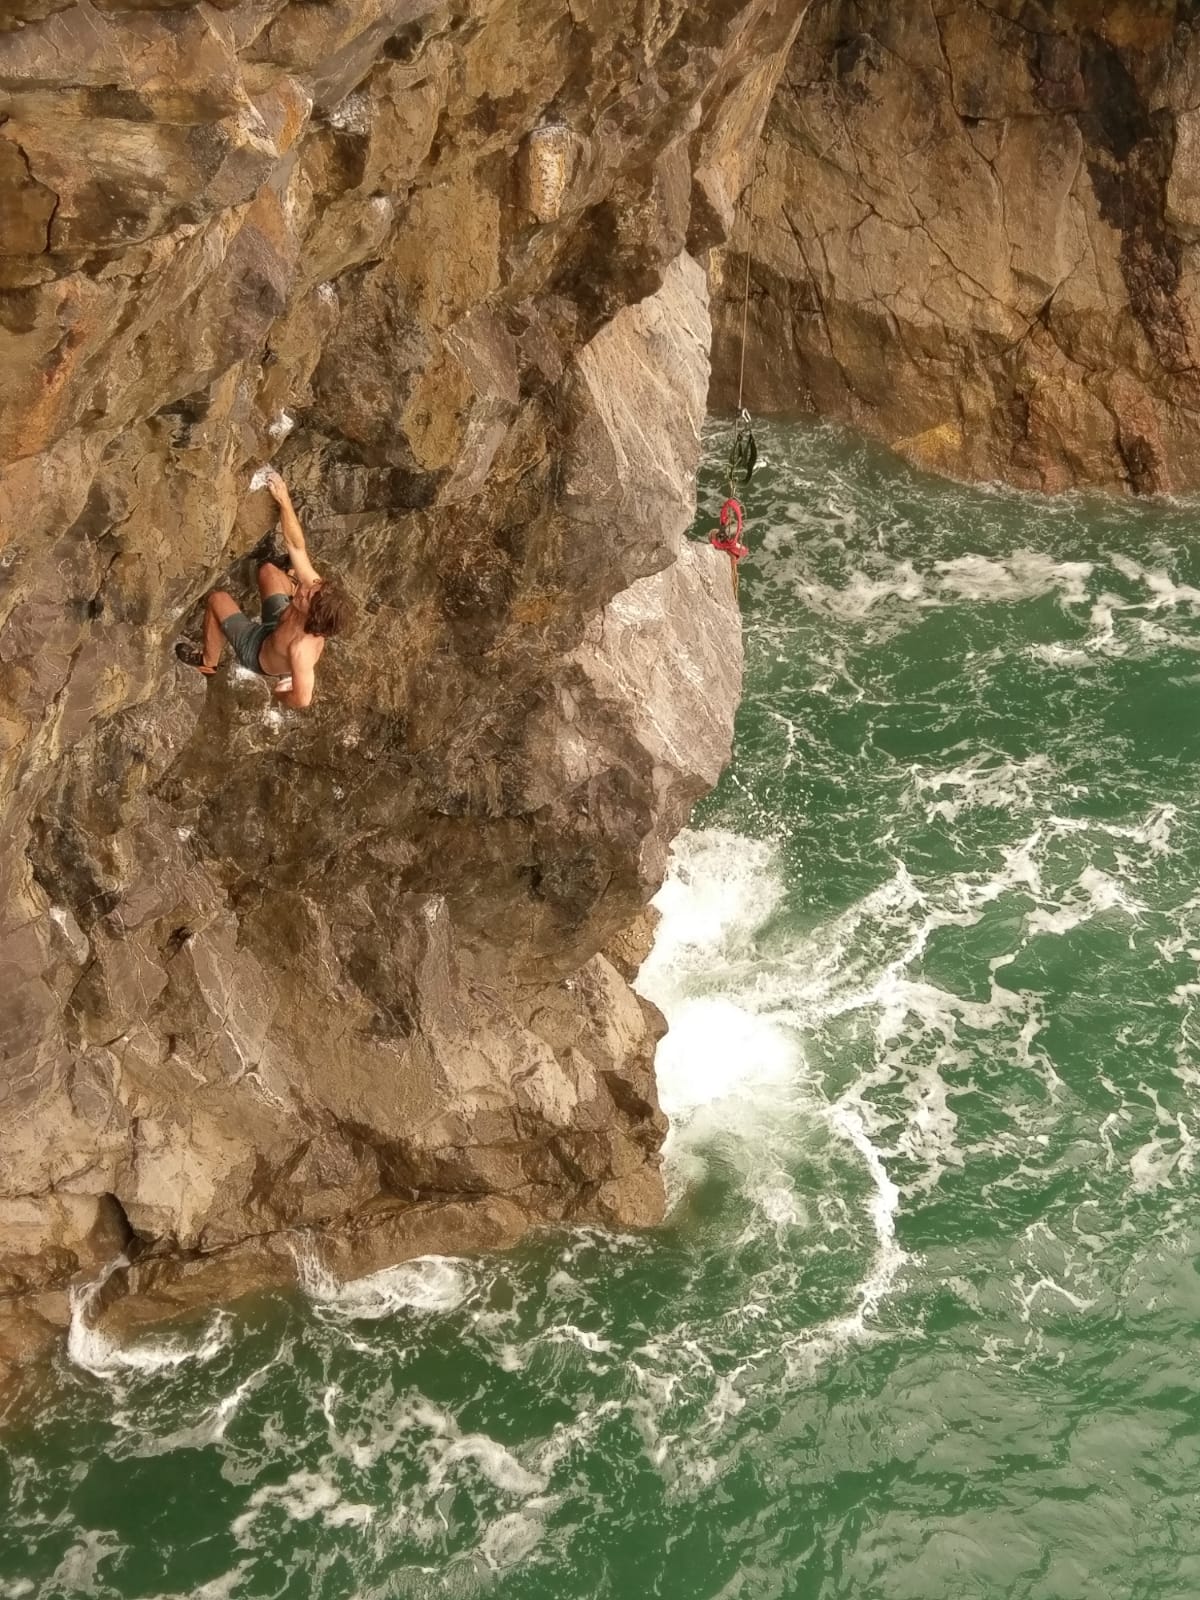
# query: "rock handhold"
549 156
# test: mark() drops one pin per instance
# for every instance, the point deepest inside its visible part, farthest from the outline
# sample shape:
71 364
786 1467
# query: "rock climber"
298 614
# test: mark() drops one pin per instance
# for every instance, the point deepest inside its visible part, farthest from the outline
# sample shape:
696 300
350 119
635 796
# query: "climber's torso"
287 649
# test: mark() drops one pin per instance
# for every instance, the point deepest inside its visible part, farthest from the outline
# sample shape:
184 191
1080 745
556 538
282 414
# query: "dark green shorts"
247 637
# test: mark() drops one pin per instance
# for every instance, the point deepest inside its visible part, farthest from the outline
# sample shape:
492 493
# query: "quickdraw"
743 452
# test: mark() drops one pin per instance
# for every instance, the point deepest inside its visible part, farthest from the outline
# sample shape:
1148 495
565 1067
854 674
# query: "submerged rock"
977 236
331 983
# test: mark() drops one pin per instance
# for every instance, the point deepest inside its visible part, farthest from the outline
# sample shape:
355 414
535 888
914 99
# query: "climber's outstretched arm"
293 533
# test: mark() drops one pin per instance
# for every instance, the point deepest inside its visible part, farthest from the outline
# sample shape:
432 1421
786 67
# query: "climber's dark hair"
330 611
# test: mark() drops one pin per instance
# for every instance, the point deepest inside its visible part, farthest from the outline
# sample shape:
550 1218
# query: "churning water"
924 1322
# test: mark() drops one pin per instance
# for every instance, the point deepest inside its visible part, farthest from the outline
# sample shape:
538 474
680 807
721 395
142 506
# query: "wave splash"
94 1352
733 1075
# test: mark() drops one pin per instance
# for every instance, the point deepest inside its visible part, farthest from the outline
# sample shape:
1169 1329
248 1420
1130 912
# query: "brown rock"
335 976
974 235
628 949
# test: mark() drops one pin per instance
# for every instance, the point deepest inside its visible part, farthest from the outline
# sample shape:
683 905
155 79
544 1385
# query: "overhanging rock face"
335 980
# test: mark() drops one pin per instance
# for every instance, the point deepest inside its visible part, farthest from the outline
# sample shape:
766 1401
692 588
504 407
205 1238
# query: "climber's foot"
192 656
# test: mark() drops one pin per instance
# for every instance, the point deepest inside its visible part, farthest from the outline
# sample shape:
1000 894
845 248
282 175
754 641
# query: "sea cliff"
976 235
353 982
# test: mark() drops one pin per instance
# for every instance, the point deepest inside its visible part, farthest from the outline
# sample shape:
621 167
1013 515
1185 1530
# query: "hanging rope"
743 452
746 285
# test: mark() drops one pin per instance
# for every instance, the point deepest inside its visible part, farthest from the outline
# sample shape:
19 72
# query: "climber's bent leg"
272 581
218 609
247 637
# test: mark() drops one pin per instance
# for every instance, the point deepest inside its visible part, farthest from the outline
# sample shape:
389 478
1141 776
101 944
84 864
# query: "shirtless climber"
297 617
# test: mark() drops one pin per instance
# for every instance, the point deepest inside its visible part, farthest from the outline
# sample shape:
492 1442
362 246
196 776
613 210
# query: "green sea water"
924 1323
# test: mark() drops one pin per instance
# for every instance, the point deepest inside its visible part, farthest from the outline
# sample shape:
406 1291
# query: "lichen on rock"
335 980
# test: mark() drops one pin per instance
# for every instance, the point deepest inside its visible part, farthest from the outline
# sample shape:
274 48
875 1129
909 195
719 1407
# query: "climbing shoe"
192 656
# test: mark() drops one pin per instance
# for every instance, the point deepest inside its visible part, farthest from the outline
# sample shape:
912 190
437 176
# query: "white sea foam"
568 1333
1156 1164
1164 592
1060 655
723 1064
741 1003
491 1458
852 599
1024 575
210 1429
93 1351
437 1456
77 1572
735 1067
885 1203
226 1587
1118 625
721 889
1094 893
507 1541
981 783
301 1497
1048 1287
716 1053
430 1284
859 592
